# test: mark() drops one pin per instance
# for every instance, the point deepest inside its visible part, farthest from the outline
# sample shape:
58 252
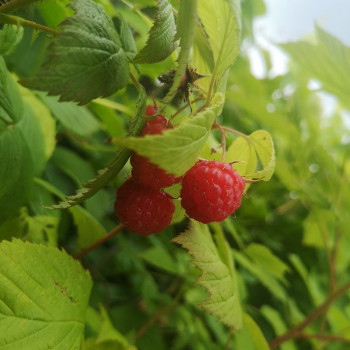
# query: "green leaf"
255 333
263 257
10 36
54 11
127 39
263 144
327 61
34 136
158 256
242 151
42 229
16 173
222 24
46 121
216 278
10 100
161 39
43 298
264 276
78 120
176 150
86 60
88 228
187 20
113 168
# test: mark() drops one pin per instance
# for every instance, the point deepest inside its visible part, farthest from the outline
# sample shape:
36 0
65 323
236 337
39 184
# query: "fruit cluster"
211 190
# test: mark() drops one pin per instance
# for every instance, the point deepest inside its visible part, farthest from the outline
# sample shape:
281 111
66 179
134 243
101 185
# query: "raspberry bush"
136 210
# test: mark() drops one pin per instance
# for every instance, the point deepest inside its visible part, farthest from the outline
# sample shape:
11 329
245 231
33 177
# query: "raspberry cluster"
141 204
211 190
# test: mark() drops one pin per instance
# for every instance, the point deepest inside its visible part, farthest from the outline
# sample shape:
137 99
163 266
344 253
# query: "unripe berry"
211 191
143 210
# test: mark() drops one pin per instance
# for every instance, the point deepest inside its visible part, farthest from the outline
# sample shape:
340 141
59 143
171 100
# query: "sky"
294 20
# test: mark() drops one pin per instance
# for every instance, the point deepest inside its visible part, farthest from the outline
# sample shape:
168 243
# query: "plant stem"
325 337
8 19
234 131
223 139
135 81
185 106
295 331
112 233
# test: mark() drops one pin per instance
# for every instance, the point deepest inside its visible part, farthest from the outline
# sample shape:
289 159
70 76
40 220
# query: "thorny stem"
24 23
295 331
185 106
112 233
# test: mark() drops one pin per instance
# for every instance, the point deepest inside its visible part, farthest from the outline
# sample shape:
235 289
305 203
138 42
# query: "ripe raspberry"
143 171
143 210
211 191
151 110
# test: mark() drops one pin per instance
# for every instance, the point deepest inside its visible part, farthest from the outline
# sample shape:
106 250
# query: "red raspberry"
211 191
143 171
143 210
151 110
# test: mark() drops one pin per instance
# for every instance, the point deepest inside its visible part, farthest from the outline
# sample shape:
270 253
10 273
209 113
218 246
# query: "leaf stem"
325 337
295 331
9 19
135 81
112 233
223 139
185 106
234 131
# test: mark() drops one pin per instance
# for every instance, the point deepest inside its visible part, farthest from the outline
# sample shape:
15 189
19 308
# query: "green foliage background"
282 255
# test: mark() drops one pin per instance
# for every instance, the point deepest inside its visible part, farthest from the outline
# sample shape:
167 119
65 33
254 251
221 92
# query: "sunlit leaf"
43 298
216 278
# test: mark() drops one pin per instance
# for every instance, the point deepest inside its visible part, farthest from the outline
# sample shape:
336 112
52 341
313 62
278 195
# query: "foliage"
272 276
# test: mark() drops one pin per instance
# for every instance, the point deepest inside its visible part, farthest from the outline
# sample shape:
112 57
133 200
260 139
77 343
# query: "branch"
99 242
295 331
325 337
8 19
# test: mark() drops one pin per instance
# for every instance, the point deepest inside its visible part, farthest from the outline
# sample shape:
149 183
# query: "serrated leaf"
113 168
222 24
176 150
76 119
264 147
16 172
10 36
161 39
43 298
327 61
187 20
87 60
216 276
10 100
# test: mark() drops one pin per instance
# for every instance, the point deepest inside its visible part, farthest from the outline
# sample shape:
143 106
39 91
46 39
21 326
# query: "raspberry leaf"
10 36
176 150
222 23
43 299
16 172
161 40
263 144
87 59
218 275
113 168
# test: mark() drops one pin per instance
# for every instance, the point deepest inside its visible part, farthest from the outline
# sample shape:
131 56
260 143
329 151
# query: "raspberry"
143 210
151 110
211 191
143 171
